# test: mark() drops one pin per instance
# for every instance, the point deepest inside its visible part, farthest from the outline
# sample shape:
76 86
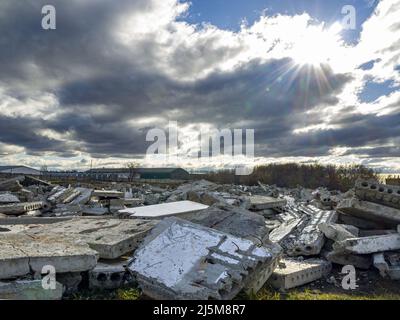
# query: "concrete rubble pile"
197 240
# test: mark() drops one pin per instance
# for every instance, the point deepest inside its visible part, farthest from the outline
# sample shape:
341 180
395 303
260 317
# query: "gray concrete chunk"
291 273
367 245
111 238
182 260
20 253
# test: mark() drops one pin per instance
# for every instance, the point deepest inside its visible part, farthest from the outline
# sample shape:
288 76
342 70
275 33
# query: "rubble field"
197 240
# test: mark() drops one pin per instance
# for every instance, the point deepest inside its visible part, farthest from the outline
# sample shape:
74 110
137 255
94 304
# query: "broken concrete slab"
258 202
335 231
285 229
163 210
388 264
370 211
29 290
292 273
12 185
108 194
233 220
307 239
368 233
21 253
6 198
367 245
21 208
342 258
360 223
183 260
111 238
84 196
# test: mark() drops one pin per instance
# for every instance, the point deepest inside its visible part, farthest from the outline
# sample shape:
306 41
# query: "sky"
87 93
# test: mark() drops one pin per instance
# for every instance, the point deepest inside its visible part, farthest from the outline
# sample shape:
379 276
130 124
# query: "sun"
317 45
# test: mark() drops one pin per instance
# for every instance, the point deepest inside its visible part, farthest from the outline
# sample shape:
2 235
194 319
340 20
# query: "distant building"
138 173
19 170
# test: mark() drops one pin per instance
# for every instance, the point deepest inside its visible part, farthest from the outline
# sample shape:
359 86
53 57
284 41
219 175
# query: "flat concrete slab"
108 194
111 238
370 211
8 198
367 245
258 202
182 260
292 273
20 253
29 290
163 210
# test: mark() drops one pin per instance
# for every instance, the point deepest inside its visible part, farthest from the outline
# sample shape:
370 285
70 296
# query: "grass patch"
269 294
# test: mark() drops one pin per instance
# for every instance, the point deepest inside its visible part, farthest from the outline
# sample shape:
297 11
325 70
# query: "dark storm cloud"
103 87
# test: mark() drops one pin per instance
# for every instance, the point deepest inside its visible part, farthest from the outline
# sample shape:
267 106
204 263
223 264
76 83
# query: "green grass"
307 294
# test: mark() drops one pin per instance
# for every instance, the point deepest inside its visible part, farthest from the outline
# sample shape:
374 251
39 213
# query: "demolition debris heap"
199 240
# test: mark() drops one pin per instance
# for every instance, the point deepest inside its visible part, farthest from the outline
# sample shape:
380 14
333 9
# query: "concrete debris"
358 261
111 238
196 240
292 273
110 274
6 198
21 254
108 194
307 239
373 191
367 245
20 208
164 210
258 203
183 260
336 232
29 290
370 211
233 220
388 264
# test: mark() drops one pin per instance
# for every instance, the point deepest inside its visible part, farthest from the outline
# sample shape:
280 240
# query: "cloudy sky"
89 91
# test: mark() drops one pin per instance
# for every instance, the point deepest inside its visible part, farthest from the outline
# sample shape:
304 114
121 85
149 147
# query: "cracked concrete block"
20 253
163 210
258 202
29 290
342 258
370 211
20 208
307 239
292 273
367 245
182 260
388 264
335 231
111 238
